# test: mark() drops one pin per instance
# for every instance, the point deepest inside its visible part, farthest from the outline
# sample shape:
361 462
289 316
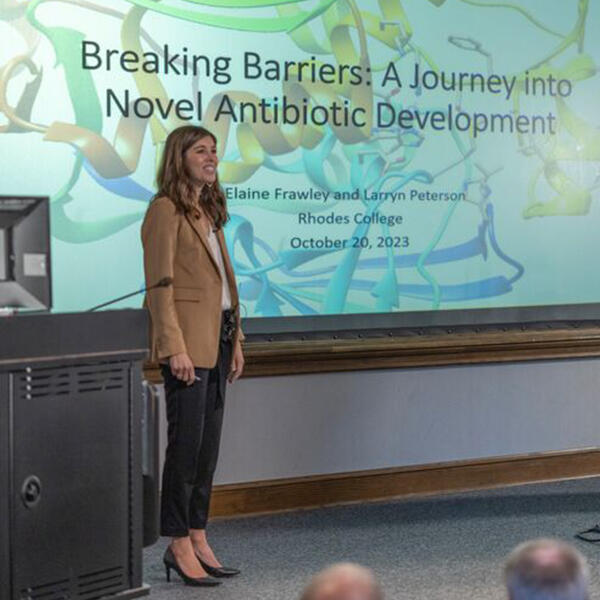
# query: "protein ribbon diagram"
360 162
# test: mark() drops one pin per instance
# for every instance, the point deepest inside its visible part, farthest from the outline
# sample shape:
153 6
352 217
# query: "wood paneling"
318 356
362 486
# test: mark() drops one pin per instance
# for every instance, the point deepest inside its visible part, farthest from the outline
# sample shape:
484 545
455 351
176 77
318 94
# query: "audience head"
344 581
546 570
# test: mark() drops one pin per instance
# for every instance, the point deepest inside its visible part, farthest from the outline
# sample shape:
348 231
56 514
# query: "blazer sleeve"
159 240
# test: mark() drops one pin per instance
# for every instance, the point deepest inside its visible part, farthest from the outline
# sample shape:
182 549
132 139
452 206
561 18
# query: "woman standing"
195 336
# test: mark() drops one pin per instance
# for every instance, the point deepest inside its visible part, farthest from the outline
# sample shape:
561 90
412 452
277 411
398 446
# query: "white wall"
311 424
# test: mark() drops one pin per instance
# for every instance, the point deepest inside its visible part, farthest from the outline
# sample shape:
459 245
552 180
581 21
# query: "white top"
218 255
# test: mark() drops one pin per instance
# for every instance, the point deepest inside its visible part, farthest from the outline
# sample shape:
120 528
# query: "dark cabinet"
71 455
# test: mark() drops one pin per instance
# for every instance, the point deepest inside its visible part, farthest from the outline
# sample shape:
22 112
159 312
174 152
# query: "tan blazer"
184 316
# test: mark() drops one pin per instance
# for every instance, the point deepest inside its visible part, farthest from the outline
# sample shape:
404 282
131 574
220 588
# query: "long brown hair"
174 181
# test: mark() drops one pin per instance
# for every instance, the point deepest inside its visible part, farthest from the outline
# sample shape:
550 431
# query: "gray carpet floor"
447 547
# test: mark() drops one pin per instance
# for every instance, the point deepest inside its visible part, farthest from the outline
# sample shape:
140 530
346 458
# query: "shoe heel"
171 563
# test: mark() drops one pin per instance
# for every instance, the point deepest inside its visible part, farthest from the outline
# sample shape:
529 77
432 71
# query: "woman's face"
201 160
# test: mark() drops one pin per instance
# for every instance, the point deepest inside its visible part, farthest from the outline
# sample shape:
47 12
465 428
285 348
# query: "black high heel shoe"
171 563
218 571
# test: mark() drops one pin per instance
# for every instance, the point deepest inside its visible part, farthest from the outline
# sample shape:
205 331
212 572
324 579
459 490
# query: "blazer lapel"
201 233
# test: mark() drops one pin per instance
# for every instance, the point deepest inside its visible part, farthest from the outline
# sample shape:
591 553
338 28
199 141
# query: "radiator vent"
57 590
78 379
90 586
98 378
47 382
100 583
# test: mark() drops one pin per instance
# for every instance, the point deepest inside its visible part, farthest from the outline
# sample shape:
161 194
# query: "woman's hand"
182 367
237 362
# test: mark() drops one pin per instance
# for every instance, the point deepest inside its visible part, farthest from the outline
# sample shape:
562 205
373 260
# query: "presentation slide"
377 156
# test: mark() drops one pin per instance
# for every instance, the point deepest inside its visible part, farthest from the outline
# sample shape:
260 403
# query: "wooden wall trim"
362 486
319 356
279 358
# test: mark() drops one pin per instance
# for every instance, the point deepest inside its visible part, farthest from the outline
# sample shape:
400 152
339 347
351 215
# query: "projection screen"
379 158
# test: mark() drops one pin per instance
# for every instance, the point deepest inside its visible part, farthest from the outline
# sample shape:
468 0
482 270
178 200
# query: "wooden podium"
71 455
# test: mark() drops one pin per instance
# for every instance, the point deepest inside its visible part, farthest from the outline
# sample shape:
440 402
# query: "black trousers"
195 417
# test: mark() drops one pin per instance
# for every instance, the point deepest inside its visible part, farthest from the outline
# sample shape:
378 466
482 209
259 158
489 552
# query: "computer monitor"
25 281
